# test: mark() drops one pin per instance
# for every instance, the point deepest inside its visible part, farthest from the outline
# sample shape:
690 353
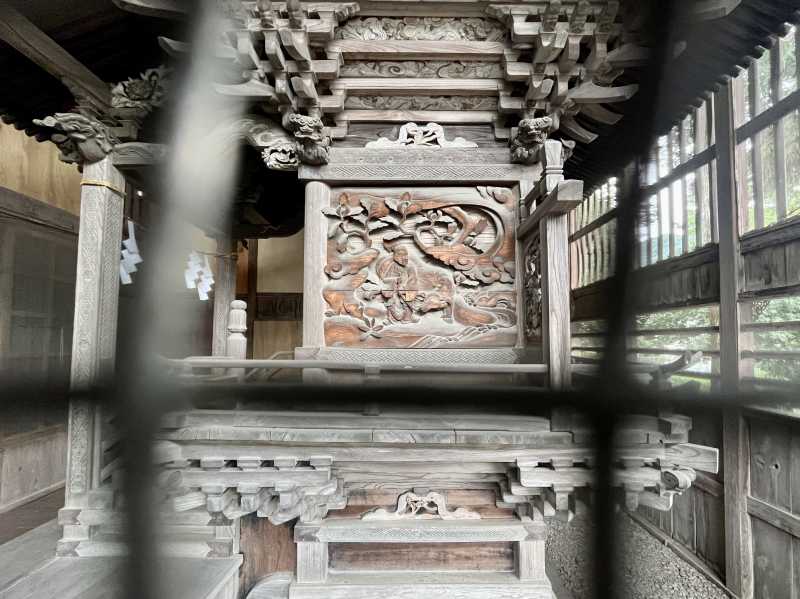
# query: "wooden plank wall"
773 503
771 259
34 169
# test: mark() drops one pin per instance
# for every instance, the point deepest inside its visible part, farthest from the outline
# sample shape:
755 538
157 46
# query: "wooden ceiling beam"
25 37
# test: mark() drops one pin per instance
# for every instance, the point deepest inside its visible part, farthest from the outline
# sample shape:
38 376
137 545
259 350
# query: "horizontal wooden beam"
564 198
25 37
22 207
778 234
417 50
401 86
772 114
595 224
443 117
781 519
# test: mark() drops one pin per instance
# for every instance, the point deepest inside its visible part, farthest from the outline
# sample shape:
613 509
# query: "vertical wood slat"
741 91
252 293
699 187
659 227
738 556
738 534
651 239
780 150
670 200
224 294
758 161
685 215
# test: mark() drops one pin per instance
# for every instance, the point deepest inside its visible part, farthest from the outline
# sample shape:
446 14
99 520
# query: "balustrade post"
556 199
236 343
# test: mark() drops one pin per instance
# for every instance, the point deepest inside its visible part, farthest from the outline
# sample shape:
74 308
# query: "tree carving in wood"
420 268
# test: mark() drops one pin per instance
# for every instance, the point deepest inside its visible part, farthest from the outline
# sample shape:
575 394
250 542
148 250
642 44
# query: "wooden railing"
543 242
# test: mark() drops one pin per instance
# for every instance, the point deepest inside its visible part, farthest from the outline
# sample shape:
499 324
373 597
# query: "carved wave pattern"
423 68
423 28
421 103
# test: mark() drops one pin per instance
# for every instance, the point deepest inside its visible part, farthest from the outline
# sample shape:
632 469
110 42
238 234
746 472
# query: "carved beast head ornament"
79 138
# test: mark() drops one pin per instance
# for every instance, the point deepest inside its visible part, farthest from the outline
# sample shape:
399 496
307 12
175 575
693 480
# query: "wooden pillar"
95 321
224 293
738 544
559 198
318 196
312 561
729 256
554 240
252 293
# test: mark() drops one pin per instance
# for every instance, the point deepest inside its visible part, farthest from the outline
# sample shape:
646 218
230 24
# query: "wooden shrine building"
464 177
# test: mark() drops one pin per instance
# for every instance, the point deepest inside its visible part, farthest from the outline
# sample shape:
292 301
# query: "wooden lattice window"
766 101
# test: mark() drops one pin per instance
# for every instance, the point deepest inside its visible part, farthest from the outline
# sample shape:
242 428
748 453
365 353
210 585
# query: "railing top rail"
366 367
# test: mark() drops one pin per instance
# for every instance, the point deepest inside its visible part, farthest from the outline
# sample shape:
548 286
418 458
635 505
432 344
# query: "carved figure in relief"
531 134
313 146
411 506
430 135
398 266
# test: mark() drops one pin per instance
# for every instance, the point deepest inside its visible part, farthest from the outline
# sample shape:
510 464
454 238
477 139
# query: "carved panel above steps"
420 268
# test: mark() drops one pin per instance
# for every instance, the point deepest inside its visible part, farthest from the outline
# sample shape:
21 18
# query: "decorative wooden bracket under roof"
485 64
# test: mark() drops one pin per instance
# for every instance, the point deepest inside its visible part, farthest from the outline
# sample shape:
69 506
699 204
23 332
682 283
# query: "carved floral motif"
421 102
421 68
142 93
422 28
430 135
80 139
533 291
411 506
431 271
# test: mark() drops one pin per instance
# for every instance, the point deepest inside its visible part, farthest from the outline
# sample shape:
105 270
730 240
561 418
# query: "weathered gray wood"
453 585
728 242
27 552
317 198
781 519
738 543
22 35
554 235
95 322
312 561
224 294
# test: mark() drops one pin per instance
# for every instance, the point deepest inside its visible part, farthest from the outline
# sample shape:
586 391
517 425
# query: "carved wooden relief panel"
420 268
